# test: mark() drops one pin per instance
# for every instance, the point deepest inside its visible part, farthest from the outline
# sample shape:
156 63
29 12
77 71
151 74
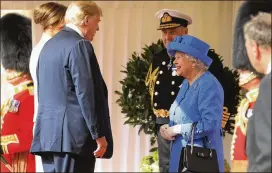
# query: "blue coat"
202 102
73 99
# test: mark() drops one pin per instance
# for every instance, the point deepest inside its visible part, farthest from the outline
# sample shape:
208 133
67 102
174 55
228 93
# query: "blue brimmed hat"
192 46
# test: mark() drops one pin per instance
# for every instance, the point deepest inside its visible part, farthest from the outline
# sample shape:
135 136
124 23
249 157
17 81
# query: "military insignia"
170 64
14 106
151 80
166 18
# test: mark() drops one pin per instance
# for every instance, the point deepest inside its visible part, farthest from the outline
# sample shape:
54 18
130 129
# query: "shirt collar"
268 68
45 36
75 28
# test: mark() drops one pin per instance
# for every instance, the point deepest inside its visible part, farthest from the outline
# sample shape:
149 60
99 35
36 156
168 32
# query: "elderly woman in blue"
200 99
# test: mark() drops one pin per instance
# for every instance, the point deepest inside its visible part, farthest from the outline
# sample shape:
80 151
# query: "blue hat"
191 46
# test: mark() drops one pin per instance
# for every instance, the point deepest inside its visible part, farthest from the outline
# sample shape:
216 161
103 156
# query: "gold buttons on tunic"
155 104
173 82
163 63
156 93
161 72
157 82
172 93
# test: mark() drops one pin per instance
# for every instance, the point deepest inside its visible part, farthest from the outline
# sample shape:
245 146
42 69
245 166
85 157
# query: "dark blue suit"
73 101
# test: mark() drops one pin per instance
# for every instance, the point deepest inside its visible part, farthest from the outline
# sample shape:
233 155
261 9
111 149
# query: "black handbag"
198 159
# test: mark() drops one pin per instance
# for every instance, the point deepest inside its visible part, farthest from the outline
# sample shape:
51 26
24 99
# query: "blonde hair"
258 29
50 14
78 10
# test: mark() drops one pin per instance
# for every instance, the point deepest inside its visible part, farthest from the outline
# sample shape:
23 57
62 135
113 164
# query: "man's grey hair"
78 10
258 29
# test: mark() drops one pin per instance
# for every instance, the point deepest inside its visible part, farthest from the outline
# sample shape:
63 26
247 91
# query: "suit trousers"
164 151
67 163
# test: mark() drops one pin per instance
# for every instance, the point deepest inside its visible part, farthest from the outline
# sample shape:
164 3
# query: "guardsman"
17 112
249 82
162 80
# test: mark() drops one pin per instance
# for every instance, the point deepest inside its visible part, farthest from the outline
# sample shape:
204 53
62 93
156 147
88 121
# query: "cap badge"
14 106
166 18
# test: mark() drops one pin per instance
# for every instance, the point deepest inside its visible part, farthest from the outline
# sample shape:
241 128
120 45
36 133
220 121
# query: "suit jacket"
33 62
73 100
258 146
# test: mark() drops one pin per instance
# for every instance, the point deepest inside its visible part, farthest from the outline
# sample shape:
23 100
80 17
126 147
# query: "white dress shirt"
75 28
268 70
33 66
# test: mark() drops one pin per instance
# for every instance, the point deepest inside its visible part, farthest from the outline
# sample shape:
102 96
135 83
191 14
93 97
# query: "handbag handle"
192 134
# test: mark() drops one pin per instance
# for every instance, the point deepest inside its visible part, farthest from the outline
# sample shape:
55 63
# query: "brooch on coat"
170 64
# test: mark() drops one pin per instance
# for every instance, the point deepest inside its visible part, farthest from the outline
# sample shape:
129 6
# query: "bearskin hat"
245 12
16 42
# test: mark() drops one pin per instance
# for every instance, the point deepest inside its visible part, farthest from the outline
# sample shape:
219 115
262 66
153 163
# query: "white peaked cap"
173 13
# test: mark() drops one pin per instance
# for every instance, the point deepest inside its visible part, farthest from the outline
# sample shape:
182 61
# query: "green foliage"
150 163
229 80
134 98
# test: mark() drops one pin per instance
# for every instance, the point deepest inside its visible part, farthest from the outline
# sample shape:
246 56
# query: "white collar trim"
75 28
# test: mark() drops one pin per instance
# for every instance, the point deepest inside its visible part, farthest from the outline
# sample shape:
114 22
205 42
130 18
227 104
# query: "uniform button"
163 63
155 104
173 82
161 72
156 93
157 82
174 73
172 93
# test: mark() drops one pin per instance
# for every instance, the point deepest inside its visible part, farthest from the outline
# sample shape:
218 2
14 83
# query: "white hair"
200 65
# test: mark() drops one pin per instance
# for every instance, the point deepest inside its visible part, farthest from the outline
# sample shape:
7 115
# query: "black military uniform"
166 84
163 82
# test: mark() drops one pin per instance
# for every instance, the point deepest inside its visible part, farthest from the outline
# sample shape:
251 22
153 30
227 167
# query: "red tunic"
16 133
238 148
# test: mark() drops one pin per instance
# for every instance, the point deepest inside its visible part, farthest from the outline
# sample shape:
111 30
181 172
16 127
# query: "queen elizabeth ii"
200 100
